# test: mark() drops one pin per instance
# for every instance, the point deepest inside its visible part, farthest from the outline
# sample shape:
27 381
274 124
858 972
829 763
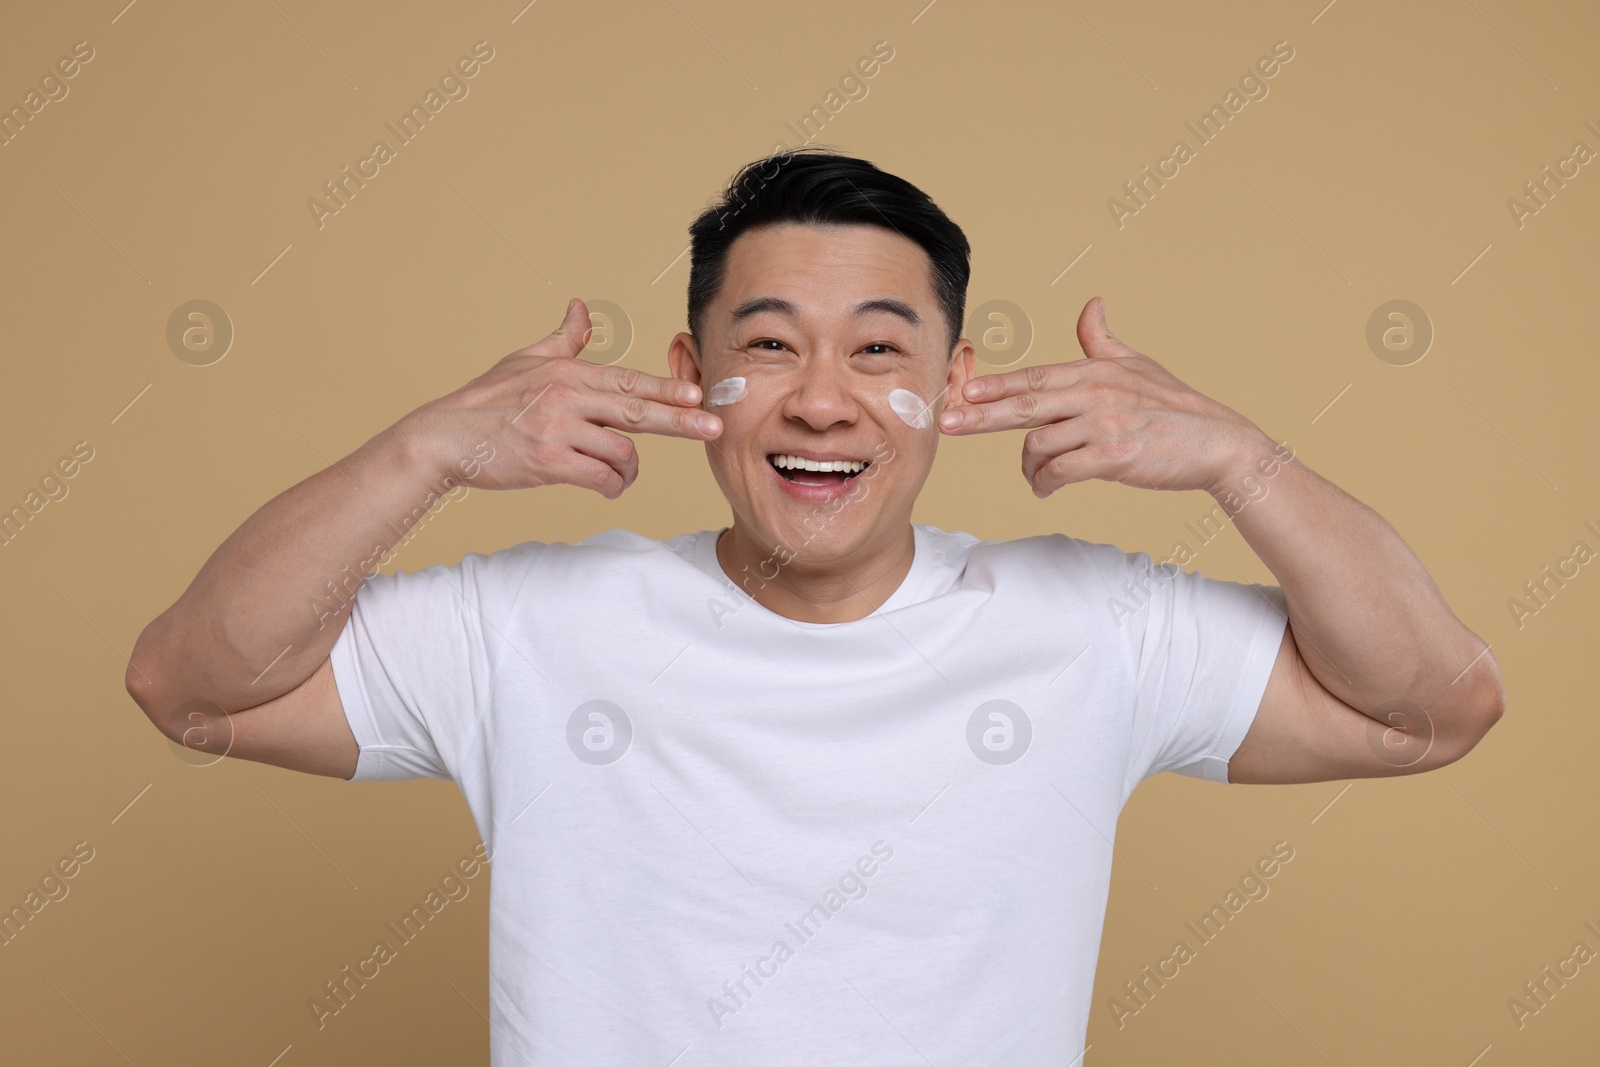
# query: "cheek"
742 407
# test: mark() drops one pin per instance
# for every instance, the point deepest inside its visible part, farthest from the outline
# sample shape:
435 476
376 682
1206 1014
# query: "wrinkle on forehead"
819 268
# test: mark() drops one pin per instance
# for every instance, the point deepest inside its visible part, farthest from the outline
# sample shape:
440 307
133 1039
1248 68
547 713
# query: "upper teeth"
847 466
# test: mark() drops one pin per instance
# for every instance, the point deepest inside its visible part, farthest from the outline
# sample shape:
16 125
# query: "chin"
817 533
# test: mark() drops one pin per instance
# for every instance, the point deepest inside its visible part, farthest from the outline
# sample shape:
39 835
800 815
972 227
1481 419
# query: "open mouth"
803 471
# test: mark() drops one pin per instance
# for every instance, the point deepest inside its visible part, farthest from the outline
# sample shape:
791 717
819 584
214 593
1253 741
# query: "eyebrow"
781 306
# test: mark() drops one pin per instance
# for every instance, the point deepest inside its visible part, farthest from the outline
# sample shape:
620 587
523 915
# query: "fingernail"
708 423
950 419
973 389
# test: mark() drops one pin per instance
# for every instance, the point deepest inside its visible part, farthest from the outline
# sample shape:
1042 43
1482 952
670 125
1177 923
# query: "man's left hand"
1116 415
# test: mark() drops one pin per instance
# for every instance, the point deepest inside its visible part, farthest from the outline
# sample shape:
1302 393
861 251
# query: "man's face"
815 320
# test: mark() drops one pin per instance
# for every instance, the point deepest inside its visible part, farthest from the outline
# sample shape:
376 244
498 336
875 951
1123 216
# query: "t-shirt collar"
910 591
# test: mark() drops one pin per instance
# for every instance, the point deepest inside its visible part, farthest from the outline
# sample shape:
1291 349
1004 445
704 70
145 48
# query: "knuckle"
634 409
569 370
1025 404
478 393
546 453
1036 376
628 379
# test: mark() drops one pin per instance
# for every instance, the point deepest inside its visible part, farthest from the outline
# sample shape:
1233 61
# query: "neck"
841 590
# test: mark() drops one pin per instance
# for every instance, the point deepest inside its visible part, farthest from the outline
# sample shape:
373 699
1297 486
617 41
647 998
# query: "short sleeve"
415 660
1206 654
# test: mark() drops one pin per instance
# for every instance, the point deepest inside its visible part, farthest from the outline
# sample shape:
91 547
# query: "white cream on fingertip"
727 391
912 411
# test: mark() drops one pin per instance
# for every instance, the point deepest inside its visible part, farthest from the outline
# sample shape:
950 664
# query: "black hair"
814 185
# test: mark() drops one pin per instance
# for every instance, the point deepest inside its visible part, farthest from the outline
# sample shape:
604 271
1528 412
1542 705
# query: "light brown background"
1378 167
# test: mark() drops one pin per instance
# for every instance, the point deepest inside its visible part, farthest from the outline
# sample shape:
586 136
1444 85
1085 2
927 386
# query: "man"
821 786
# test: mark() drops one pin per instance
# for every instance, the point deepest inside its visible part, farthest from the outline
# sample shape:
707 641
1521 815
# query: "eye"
888 348
768 341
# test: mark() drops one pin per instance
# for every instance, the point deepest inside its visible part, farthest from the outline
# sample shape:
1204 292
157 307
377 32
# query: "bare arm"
1369 633
1375 674
270 602
239 664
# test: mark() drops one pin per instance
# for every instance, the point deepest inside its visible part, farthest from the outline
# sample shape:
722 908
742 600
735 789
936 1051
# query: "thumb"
569 338
1093 335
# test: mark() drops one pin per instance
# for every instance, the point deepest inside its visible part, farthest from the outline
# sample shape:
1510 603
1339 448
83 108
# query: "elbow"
142 689
1495 710
1474 728
1475 717
1490 695
140 680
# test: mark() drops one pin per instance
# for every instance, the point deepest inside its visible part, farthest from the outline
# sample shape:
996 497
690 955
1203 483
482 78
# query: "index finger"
636 414
1040 376
631 381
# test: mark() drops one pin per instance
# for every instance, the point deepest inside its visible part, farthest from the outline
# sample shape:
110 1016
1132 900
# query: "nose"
822 396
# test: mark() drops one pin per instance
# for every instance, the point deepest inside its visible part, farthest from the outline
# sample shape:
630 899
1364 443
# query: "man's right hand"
542 416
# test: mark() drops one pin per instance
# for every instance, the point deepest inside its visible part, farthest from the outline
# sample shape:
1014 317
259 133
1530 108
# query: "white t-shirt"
721 836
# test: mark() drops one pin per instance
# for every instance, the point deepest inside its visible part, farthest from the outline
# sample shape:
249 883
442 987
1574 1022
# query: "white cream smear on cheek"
912 411
727 391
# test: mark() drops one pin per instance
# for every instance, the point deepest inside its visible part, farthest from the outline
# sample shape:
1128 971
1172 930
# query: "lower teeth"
817 477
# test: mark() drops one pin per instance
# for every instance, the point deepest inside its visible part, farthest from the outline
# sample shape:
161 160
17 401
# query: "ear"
961 371
683 358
